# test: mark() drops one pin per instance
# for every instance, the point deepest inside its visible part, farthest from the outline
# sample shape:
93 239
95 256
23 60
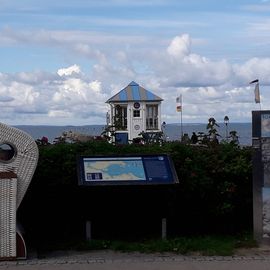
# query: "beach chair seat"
18 161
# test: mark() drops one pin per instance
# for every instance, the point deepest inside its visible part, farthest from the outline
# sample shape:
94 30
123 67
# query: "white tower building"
134 110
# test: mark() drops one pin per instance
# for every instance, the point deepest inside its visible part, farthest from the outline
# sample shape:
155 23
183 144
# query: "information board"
126 170
261 175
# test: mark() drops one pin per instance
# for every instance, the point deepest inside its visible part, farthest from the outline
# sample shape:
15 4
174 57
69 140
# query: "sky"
61 60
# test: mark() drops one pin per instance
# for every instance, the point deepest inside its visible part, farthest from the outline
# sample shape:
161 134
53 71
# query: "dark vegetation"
210 245
214 196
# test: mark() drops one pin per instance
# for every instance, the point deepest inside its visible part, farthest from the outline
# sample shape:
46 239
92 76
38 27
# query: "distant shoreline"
172 131
176 124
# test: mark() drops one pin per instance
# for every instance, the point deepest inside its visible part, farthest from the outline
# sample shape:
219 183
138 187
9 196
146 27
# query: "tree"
212 131
234 137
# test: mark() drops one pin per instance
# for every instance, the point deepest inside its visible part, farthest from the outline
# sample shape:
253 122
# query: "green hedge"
214 194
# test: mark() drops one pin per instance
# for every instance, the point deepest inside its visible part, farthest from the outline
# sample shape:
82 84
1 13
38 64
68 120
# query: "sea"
172 131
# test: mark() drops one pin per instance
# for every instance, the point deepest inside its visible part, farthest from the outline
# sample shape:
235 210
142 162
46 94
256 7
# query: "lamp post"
226 122
163 129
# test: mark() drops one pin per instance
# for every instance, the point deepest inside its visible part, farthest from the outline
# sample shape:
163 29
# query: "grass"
204 245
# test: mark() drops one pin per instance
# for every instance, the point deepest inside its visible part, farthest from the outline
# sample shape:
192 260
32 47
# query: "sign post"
261 175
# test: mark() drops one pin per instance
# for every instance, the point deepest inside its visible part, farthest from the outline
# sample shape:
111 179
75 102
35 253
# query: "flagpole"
179 108
181 117
257 95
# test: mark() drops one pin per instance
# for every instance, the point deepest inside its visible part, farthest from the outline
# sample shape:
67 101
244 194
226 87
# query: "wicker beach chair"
17 165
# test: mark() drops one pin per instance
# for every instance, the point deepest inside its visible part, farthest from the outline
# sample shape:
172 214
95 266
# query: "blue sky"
61 60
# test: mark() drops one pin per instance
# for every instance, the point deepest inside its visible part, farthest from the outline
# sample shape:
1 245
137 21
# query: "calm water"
244 131
173 131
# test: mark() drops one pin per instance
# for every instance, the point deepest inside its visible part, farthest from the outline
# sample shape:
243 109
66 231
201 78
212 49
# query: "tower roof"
134 92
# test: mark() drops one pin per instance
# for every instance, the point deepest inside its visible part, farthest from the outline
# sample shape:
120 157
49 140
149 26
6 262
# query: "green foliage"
214 194
212 138
209 245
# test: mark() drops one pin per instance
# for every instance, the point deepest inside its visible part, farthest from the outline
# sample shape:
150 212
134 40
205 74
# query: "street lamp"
163 129
226 122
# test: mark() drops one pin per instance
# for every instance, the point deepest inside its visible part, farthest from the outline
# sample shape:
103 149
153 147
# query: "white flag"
257 93
179 103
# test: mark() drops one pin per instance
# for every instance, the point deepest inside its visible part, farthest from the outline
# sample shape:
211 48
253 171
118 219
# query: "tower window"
120 117
136 113
151 117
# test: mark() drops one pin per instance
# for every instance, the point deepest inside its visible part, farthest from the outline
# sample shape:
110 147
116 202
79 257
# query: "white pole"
181 117
179 108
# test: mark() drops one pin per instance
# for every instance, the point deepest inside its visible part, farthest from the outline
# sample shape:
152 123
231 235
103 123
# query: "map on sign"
117 170
114 169
265 125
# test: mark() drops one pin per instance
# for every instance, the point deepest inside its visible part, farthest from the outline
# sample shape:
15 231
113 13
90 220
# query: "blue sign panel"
121 138
126 170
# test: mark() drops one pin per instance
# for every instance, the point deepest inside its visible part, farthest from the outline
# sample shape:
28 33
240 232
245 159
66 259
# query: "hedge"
214 195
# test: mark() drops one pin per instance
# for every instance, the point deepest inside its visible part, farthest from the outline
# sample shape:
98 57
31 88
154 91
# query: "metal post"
181 115
164 229
181 126
88 229
226 121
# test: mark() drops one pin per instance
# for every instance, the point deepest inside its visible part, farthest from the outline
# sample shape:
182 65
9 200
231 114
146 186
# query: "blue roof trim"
133 83
123 95
135 92
150 96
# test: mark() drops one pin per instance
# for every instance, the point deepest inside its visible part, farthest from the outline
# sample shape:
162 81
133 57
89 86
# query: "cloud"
252 69
70 96
59 114
75 69
178 66
66 38
180 46
76 92
261 7
6 99
60 99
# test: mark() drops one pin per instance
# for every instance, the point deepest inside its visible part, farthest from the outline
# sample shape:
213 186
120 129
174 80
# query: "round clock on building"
136 105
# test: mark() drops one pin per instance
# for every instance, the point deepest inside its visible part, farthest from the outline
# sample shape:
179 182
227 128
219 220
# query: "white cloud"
6 99
69 63
62 99
75 39
180 67
75 91
180 46
21 94
75 69
70 96
59 114
254 68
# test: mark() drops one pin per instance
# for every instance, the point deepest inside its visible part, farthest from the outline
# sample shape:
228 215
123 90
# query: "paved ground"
252 259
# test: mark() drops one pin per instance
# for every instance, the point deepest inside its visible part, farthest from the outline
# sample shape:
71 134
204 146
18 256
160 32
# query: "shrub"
214 194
